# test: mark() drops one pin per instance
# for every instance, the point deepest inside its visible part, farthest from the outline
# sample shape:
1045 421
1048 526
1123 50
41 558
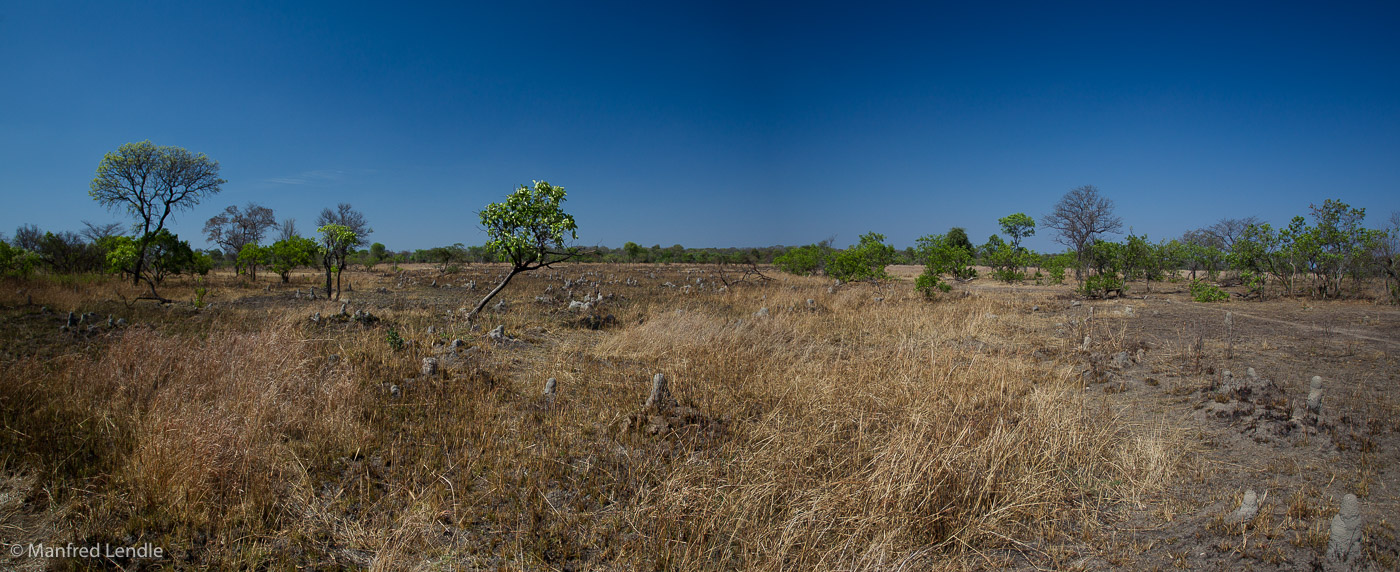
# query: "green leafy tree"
164 254
530 230
957 236
1340 243
1261 252
167 255
634 252
336 242
941 256
866 260
802 260
152 182
945 255
1106 259
377 252
1017 226
288 254
1202 250
1006 260
251 257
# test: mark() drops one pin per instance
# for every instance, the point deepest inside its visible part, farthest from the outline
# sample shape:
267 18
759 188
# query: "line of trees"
151 183
1320 259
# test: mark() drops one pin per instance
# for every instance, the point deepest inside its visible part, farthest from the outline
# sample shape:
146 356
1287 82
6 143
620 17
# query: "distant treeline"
1318 258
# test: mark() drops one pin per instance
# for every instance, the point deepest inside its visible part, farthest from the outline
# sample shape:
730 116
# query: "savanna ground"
847 427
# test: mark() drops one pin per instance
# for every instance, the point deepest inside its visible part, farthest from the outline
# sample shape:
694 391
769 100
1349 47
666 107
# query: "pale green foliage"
1202 291
121 255
16 262
336 242
529 228
252 256
150 182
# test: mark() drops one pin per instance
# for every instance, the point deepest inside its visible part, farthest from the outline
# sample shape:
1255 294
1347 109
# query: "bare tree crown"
233 229
346 216
1081 215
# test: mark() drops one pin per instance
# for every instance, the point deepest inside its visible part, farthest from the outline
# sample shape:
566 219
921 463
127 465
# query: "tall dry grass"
873 436
852 434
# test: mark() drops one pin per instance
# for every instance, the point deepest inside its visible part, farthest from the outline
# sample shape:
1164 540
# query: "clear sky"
711 123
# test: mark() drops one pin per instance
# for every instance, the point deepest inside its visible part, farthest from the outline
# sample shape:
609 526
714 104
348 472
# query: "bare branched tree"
28 237
287 230
1081 216
95 232
1202 237
233 229
346 216
1226 230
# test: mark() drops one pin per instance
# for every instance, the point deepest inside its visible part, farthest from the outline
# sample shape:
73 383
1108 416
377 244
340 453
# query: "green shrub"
864 261
16 262
930 283
803 260
200 292
1099 285
1055 266
395 341
944 254
1203 291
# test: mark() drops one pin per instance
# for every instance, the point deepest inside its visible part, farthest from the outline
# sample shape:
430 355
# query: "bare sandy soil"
1256 436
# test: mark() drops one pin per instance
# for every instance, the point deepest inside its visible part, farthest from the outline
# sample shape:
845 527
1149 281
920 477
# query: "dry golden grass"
851 435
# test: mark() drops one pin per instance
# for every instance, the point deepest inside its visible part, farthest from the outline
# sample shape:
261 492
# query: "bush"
930 284
943 254
1055 266
1099 285
803 260
1203 291
864 261
16 262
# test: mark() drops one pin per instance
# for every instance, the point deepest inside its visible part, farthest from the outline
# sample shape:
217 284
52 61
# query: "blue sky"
711 123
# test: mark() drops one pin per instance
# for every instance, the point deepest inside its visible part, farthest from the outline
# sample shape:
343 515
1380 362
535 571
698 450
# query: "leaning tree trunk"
337 282
499 287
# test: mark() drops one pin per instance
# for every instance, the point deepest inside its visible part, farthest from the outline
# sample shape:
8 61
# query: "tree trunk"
154 295
328 282
499 287
337 283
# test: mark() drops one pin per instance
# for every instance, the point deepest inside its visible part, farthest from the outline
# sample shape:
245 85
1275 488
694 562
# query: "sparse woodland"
950 406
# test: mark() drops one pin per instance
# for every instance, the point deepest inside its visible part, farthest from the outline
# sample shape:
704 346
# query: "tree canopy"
151 182
529 230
